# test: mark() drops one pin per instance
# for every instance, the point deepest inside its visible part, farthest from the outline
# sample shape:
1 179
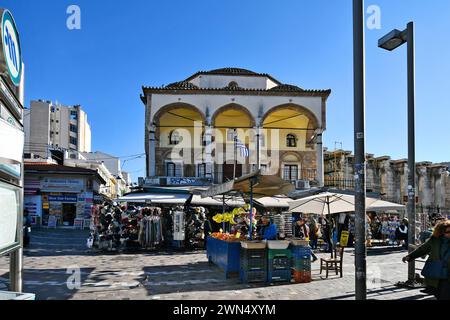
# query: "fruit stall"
234 250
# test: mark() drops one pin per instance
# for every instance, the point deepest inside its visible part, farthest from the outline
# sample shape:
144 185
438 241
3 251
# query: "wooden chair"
334 263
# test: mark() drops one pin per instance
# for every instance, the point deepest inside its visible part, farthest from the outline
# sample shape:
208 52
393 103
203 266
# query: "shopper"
313 233
326 233
26 228
302 232
207 228
438 249
402 233
269 229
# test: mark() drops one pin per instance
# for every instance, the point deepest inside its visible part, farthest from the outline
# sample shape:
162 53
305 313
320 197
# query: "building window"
74 115
264 168
173 169
73 128
74 141
290 172
27 155
291 141
201 170
174 138
230 135
53 109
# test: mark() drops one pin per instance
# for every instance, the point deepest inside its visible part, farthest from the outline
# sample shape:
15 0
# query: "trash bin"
6 295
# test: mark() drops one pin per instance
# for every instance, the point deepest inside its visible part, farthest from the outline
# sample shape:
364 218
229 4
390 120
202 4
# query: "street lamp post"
390 42
360 156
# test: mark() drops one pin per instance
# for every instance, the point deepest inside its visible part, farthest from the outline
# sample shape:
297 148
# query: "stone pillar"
152 151
208 152
319 158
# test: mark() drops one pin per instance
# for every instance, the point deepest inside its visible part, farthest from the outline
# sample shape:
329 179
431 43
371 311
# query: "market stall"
238 248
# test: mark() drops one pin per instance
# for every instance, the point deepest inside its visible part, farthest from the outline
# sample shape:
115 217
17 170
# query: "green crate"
279 253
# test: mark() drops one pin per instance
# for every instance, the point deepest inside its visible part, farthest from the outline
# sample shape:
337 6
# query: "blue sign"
73 199
11 47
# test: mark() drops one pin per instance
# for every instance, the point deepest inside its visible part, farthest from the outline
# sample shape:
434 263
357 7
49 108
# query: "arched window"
174 138
291 141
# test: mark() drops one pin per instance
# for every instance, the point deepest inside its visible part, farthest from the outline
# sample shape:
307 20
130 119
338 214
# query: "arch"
174 106
230 108
291 157
313 121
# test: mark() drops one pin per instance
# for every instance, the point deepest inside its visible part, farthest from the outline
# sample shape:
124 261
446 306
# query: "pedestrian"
26 228
313 233
401 233
302 232
207 228
436 270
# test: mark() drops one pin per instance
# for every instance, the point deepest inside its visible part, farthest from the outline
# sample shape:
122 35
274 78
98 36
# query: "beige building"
193 127
54 126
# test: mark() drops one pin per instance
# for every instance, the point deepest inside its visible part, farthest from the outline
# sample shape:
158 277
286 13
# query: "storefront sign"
12 52
62 185
64 198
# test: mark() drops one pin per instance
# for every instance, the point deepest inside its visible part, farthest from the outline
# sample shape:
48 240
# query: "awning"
263 186
235 202
274 202
156 198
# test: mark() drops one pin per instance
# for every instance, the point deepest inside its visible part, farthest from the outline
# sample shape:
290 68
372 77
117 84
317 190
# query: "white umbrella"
330 203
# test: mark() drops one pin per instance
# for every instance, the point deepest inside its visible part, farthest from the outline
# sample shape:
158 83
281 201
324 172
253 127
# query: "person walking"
313 233
436 270
302 232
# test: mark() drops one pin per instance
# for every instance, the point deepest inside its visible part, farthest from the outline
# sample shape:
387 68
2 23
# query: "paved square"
177 275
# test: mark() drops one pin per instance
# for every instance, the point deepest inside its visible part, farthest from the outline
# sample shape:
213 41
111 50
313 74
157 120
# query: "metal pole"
223 212
16 257
251 210
411 149
360 158
235 154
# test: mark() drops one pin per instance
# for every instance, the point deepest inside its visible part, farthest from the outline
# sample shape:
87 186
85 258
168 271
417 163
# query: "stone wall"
389 178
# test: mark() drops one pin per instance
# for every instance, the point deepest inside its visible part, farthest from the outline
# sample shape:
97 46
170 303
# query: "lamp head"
392 40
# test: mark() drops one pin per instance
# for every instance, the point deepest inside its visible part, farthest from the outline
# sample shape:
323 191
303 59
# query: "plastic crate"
302 264
302 276
279 253
253 260
301 251
253 276
280 263
279 276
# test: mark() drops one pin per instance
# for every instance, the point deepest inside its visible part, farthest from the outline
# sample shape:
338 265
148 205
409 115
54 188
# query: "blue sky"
124 45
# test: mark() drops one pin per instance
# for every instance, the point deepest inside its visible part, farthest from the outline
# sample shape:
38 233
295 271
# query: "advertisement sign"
344 239
12 52
11 143
9 204
62 185
63 198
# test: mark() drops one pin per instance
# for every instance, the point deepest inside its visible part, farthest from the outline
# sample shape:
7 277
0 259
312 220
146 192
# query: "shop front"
59 196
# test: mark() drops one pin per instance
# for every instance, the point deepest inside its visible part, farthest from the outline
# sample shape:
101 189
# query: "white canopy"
157 198
237 202
274 202
330 203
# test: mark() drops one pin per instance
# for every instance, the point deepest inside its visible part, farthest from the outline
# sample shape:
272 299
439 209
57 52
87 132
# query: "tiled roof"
182 85
286 88
232 72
